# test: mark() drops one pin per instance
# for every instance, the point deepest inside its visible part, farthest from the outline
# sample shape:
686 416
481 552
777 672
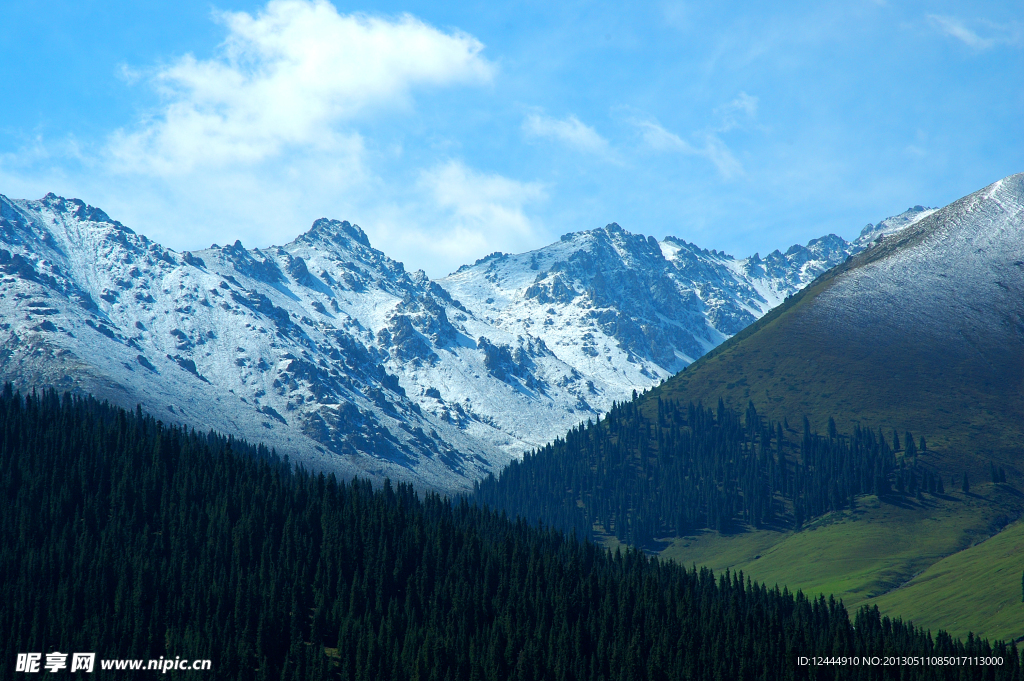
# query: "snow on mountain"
625 310
911 216
330 351
267 345
949 282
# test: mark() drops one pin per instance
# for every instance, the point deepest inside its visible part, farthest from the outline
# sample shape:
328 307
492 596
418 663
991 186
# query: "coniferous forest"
127 537
693 467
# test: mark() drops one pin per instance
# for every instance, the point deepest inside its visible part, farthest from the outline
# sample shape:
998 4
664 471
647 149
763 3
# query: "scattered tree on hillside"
910 449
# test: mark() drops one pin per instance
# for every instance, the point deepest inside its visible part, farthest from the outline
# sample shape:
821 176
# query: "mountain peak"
892 224
80 210
328 229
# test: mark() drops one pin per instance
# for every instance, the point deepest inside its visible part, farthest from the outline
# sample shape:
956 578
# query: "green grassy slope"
978 589
868 554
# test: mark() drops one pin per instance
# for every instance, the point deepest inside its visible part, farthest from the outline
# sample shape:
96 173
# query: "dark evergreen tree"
909 448
642 476
134 539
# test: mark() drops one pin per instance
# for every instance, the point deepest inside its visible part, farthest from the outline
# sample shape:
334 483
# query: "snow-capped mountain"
330 351
626 310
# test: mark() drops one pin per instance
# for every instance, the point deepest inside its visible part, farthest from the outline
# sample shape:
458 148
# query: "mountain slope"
924 331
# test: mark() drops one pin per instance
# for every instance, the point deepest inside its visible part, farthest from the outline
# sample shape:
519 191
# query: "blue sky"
450 130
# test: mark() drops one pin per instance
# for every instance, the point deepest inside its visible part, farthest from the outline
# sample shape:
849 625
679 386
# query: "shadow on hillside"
900 501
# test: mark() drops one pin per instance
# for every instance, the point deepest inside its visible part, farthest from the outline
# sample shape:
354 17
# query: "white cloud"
482 200
713 148
660 139
737 112
464 215
290 77
270 133
570 131
955 29
998 34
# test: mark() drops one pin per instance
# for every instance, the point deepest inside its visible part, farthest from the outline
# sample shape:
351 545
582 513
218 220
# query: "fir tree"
160 540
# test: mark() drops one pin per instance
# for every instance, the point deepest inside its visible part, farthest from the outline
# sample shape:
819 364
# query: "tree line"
689 467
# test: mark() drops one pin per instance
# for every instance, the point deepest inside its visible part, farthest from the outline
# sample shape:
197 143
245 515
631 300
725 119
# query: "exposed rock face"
330 351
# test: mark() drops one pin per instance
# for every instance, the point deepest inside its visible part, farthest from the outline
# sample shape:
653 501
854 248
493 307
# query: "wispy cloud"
290 77
1009 34
712 147
660 139
457 214
570 131
483 200
738 112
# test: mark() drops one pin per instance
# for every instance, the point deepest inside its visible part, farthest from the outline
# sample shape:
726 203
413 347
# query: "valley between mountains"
842 417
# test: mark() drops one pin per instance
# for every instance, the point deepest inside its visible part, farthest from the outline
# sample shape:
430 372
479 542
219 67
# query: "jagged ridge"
331 351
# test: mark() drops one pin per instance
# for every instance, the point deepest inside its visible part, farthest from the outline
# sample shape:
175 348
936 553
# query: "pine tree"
234 550
910 449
